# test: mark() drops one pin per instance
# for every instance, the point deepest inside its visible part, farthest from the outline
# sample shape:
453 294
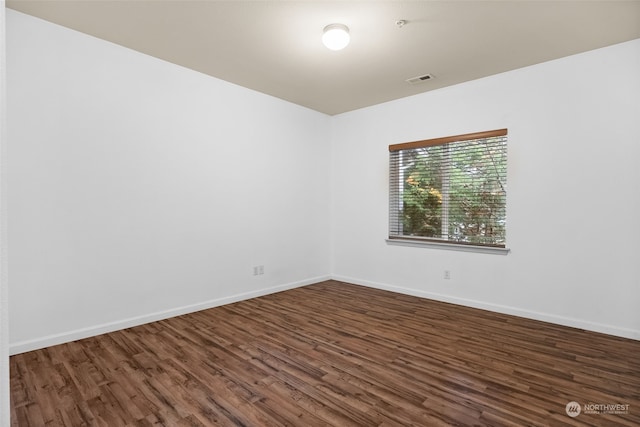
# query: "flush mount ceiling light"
336 36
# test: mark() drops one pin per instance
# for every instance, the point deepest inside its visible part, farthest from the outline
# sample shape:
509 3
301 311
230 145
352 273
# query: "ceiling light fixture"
336 36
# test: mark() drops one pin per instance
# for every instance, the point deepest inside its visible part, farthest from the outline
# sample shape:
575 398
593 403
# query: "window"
450 190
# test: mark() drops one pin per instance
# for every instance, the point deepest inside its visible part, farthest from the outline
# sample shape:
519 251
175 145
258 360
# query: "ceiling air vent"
419 79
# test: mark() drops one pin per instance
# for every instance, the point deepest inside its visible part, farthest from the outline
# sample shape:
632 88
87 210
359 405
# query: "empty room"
320 213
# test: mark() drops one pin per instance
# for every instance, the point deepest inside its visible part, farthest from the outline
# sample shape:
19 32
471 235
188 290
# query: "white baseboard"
545 317
50 340
47 341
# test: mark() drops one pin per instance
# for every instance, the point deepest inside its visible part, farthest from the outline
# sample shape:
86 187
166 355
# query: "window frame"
395 198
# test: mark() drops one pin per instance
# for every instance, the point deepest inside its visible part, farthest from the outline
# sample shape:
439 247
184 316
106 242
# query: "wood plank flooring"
331 354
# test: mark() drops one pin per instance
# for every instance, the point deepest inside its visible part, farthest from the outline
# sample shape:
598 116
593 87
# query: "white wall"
573 197
4 291
138 189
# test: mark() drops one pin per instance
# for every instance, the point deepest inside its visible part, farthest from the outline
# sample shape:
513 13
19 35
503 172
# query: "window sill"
448 246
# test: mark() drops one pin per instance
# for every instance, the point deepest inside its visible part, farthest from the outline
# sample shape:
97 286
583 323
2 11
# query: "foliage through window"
451 189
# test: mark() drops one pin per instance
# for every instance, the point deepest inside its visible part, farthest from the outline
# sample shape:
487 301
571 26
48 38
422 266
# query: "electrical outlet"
258 270
447 274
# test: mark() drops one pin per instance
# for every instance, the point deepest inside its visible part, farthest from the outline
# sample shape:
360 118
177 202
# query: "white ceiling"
274 46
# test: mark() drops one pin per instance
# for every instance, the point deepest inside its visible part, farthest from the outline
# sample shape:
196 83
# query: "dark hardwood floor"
331 354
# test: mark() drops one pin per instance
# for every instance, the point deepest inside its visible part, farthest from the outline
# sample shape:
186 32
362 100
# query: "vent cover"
419 79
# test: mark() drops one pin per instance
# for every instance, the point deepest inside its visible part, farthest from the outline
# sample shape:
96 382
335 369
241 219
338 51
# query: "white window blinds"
451 189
